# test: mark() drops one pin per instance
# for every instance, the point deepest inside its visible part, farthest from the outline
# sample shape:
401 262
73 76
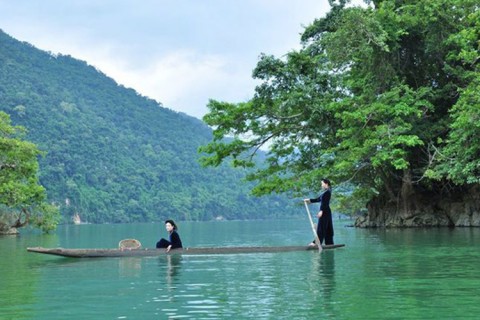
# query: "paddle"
317 240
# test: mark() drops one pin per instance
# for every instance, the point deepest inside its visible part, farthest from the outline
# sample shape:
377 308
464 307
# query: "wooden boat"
103 253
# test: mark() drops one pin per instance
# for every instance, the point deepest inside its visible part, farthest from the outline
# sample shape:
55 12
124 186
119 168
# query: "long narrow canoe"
100 253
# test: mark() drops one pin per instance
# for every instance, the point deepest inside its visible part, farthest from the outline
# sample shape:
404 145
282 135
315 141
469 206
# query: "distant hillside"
113 155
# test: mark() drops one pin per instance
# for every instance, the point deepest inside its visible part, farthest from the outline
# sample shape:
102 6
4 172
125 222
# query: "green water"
380 274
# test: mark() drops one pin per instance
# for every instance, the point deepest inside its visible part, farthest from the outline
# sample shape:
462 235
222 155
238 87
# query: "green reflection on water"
380 274
19 280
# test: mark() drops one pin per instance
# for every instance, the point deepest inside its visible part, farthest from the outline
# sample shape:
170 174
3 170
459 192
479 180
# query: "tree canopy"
384 98
22 198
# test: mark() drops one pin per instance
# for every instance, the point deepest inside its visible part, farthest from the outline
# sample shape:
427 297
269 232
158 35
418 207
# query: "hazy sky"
179 52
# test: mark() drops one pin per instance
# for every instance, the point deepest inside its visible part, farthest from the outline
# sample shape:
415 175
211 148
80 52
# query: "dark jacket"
175 240
324 200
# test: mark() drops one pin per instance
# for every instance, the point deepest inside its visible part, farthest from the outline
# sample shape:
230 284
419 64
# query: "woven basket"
129 244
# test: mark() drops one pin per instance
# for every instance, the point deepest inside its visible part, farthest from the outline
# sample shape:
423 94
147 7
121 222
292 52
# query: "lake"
379 274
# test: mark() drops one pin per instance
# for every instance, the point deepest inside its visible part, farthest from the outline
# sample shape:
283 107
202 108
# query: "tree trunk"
406 195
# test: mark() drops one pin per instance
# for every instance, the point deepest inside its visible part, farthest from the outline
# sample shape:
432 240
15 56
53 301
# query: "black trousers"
163 243
325 229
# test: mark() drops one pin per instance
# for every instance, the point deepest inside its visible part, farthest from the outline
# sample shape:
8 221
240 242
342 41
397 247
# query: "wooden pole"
317 240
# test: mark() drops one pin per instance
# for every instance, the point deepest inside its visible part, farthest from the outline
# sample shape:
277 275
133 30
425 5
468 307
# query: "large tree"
22 198
383 98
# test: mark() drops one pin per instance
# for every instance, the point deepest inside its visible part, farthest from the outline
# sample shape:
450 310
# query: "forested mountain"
112 155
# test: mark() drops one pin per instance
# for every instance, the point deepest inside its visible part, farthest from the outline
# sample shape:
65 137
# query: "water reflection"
18 282
130 267
172 265
323 276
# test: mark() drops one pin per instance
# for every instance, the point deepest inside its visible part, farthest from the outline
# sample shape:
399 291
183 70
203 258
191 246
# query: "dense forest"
383 98
112 155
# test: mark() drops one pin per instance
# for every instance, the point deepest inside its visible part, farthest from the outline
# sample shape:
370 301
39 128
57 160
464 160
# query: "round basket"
129 244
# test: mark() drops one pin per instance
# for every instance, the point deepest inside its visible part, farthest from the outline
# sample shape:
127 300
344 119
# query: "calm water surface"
380 274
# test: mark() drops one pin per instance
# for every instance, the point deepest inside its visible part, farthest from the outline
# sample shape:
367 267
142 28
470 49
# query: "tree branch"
19 223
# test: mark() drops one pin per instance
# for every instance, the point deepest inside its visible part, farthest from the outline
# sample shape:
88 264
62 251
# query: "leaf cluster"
21 194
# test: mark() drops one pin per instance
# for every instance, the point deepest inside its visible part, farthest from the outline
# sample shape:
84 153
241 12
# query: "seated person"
174 241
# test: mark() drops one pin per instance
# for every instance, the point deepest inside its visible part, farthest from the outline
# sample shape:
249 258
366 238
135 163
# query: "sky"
180 53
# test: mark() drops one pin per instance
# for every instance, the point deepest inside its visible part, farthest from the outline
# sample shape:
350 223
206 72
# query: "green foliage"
112 155
46 218
22 198
384 98
459 159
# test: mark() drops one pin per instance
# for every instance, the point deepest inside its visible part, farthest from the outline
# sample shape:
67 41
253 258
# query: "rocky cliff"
461 208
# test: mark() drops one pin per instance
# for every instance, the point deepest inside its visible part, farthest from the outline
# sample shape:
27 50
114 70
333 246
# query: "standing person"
325 222
174 241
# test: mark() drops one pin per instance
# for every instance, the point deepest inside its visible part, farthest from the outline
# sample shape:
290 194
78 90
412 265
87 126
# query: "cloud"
180 53
185 80
182 80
